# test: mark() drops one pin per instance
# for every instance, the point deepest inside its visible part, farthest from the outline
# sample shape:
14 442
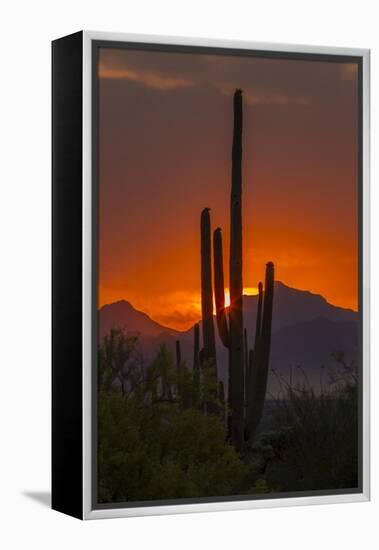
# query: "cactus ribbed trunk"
261 359
236 353
209 346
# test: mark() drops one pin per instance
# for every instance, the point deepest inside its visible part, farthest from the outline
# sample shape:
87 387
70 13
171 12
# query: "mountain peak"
122 314
118 304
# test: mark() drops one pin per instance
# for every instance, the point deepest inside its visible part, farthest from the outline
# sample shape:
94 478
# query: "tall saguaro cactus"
257 384
236 353
232 333
248 370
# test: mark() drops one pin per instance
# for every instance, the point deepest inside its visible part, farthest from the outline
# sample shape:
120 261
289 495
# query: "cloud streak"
115 68
164 82
150 79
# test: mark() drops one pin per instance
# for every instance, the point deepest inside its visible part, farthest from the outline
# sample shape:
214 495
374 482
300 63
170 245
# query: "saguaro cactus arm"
209 345
219 290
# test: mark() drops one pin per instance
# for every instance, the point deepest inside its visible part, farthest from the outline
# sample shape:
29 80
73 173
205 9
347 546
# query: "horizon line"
99 308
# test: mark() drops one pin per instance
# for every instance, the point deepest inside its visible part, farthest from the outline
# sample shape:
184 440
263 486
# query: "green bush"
314 437
152 443
162 436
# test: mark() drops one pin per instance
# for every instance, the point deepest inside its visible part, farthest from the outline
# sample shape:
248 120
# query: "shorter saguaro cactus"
260 357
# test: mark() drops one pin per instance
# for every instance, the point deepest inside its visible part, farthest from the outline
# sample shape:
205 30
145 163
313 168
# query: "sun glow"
248 291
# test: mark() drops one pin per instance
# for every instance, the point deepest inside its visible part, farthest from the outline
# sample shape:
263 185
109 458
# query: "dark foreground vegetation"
162 432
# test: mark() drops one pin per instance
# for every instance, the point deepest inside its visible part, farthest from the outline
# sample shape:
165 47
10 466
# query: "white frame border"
88 512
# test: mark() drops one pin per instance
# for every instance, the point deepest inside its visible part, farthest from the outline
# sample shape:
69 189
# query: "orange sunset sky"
165 132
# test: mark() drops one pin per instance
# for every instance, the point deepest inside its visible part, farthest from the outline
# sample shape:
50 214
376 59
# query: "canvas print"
228 348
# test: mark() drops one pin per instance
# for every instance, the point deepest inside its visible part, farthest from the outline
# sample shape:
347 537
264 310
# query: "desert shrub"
314 436
152 442
158 440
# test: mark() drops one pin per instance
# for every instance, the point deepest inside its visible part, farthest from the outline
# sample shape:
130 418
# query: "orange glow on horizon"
165 136
182 310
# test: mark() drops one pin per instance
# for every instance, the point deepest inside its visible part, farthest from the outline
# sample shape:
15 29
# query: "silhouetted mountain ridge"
291 306
306 331
123 315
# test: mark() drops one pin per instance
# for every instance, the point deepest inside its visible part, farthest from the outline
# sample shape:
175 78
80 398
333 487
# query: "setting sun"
248 291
